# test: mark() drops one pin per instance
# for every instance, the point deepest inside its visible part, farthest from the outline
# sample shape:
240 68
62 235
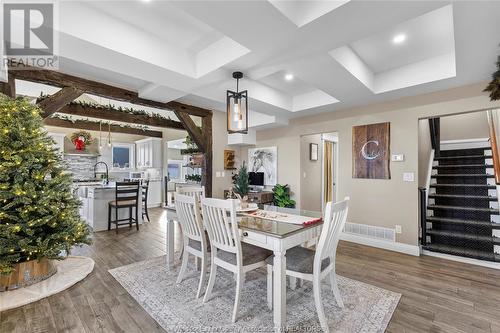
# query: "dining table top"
269 221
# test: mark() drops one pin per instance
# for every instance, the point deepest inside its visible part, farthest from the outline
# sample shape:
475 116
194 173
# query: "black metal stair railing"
423 215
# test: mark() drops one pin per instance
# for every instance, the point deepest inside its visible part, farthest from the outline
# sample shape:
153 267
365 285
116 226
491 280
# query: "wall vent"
370 231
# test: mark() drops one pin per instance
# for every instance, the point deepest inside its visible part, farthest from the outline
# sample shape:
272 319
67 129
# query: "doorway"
318 170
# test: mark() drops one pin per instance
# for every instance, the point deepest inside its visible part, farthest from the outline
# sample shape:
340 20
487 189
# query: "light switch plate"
223 174
398 158
408 176
398 229
217 174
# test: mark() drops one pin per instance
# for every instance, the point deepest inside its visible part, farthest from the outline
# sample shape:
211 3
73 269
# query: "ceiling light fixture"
398 39
289 77
237 108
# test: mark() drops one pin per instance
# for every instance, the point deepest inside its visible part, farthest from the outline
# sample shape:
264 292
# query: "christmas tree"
39 215
494 86
241 182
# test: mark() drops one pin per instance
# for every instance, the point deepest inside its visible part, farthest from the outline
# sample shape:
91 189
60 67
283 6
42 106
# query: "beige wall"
375 202
472 125
219 133
310 174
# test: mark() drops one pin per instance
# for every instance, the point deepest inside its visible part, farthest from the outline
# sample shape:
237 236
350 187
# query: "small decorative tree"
39 216
241 182
494 86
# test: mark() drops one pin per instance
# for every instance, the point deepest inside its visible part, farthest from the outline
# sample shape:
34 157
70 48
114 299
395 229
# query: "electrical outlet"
223 174
398 229
408 177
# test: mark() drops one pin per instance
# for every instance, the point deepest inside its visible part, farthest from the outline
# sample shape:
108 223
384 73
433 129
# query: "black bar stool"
145 191
127 196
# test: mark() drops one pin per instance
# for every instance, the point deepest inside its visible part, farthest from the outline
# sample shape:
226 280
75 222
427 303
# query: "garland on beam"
88 120
111 107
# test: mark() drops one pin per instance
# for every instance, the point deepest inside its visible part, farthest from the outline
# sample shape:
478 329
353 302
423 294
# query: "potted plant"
39 218
494 86
282 196
240 187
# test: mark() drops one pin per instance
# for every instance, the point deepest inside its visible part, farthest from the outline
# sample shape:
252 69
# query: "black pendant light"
237 108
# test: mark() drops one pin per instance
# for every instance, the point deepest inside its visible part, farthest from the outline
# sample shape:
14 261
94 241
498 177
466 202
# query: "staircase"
462 207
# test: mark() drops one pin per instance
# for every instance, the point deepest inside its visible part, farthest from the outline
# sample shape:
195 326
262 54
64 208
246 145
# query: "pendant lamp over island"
237 108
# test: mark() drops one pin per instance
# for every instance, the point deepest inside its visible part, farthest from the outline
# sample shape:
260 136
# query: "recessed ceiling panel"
291 87
425 37
303 12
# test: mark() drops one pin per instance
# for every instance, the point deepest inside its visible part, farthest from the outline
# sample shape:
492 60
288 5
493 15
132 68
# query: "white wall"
472 125
384 203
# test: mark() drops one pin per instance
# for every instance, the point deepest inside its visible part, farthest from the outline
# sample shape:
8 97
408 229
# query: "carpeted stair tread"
462 166
463 196
461 157
478 209
455 221
463 175
463 235
459 251
464 185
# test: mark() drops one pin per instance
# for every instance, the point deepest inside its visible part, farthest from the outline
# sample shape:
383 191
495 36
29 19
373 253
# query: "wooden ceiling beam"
194 132
59 79
9 88
91 126
116 115
57 101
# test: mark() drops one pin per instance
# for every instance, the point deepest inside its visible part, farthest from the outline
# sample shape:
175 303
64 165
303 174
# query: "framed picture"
371 151
264 160
313 151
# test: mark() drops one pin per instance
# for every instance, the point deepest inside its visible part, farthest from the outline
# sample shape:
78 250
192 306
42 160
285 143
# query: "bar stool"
144 194
126 196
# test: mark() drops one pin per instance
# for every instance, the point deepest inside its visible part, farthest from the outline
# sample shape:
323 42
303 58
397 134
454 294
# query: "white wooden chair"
192 191
195 242
219 218
311 265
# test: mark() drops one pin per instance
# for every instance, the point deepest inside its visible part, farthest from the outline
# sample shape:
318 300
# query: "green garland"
87 137
111 107
87 120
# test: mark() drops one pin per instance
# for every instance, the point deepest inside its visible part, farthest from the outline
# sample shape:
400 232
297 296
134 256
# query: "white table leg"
170 243
279 290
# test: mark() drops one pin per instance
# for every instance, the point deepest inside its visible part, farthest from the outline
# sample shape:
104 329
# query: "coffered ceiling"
340 53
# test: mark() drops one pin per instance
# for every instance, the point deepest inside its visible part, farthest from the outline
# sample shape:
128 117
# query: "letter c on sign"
369 155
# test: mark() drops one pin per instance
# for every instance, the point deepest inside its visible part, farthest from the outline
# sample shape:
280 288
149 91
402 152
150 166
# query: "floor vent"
365 230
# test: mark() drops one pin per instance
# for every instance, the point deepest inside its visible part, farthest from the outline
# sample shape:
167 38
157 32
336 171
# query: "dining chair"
227 251
144 197
315 265
195 241
194 191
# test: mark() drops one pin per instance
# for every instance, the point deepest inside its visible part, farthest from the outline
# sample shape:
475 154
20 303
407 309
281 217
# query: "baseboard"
477 262
392 246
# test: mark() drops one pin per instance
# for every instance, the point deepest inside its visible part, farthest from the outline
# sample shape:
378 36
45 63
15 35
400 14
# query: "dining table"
270 227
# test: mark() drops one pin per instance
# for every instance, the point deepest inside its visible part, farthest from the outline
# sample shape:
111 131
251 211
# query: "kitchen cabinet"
154 194
148 153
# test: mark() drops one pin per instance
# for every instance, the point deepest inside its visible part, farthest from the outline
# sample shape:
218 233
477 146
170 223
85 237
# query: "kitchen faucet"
107 170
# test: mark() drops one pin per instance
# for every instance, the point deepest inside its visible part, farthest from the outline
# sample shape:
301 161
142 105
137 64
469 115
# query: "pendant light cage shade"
237 112
237 108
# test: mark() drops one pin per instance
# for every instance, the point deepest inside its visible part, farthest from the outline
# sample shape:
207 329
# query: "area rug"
69 271
175 308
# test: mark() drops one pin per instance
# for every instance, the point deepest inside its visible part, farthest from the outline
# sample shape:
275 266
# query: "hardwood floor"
438 295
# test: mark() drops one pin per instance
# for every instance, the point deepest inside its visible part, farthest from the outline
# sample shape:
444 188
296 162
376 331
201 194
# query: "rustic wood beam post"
193 130
57 101
206 179
9 88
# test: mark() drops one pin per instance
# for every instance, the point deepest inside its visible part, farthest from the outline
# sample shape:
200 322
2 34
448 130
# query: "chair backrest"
334 221
126 191
145 189
192 191
188 212
219 218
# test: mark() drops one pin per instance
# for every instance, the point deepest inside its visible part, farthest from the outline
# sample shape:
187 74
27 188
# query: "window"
123 156
175 170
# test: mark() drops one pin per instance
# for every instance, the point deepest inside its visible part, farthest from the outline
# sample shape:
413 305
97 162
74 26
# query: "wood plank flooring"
438 295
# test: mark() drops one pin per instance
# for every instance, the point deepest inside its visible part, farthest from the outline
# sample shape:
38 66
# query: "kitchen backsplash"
82 167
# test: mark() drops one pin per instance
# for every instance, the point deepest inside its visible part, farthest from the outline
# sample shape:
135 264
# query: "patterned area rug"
175 308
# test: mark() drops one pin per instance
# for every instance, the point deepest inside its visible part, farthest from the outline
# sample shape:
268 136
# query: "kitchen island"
94 209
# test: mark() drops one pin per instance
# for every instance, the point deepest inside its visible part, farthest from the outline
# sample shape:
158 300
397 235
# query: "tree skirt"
175 308
69 271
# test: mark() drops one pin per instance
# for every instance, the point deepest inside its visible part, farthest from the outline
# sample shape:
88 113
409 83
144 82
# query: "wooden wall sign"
371 151
229 159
